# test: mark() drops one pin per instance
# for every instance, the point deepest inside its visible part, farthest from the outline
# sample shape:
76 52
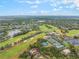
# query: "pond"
1 33
44 43
74 42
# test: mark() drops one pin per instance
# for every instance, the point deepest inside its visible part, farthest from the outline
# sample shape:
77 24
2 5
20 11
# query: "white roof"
66 51
13 32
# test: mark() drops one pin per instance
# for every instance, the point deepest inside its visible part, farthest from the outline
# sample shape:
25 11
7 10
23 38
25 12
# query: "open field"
16 50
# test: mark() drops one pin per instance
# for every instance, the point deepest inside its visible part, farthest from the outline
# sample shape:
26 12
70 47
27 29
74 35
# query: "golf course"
16 50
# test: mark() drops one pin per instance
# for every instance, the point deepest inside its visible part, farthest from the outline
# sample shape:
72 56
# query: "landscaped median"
16 50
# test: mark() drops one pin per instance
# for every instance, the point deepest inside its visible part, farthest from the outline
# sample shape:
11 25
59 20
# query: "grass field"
55 29
16 50
16 39
44 28
71 33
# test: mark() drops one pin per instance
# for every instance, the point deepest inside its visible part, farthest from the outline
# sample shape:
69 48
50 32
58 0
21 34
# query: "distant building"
46 37
36 54
41 21
34 51
39 56
12 33
55 42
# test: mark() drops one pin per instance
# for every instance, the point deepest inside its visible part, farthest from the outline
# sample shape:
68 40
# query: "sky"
39 7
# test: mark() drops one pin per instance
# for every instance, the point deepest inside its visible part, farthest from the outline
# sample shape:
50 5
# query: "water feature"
74 42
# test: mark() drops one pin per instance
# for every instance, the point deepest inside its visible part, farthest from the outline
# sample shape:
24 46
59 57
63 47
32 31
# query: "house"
34 51
13 33
46 37
39 56
66 52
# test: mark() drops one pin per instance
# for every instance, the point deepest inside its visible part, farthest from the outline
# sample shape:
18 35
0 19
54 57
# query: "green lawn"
8 54
15 39
55 29
44 28
72 33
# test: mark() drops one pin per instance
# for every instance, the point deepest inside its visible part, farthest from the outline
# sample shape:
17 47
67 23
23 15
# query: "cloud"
25 1
73 3
76 2
37 2
34 6
30 1
21 1
60 7
43 12
32 12
67 1
55 9
71 6
51 2
54 4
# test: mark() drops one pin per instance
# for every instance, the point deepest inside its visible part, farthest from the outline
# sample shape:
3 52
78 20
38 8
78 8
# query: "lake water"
74 42
1 33
44 43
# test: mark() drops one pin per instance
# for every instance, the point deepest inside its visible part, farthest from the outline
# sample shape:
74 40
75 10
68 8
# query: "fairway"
43 28
16 39
53 28
71 33
49 28
8 54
